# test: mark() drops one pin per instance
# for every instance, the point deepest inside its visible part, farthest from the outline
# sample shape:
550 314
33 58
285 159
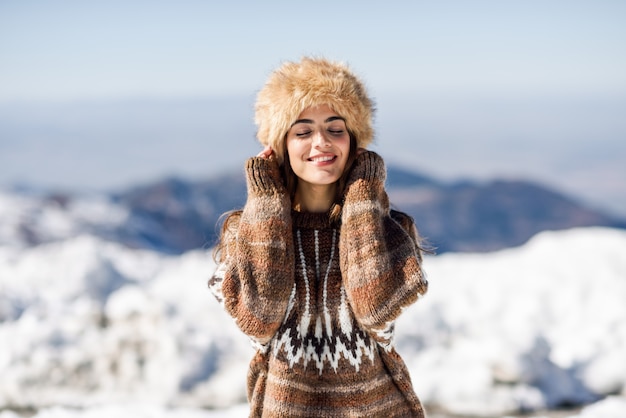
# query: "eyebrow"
328 120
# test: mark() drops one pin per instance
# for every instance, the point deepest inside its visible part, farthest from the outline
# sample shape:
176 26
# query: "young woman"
316 268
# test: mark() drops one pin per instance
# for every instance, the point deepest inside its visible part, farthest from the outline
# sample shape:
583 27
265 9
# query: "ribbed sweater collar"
308 220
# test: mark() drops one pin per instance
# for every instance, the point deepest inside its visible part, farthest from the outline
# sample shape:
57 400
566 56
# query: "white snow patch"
91 327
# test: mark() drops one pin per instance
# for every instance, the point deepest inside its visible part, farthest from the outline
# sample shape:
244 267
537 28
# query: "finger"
266 153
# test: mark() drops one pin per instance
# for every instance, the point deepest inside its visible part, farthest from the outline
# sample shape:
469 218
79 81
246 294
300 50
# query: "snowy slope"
90 323
532 327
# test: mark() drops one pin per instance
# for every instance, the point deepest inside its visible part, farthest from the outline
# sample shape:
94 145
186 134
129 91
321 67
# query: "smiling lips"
322 158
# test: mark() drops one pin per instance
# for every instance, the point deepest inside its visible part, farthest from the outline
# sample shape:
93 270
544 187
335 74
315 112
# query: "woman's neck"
314 197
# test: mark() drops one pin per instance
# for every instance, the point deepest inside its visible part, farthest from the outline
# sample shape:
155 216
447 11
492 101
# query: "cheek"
345 147
295 148
291 150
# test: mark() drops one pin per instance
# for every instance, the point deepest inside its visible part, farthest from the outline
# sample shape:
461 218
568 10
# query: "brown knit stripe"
376 306
255 323
271 205
263 177
332 388
391 407
364 271
341 395
363 207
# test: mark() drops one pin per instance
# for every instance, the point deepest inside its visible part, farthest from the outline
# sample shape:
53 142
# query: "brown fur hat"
295 86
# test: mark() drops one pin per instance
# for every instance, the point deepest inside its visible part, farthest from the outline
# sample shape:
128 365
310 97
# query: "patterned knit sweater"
319 300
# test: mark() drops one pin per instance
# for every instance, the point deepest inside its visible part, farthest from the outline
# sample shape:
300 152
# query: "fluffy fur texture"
295 86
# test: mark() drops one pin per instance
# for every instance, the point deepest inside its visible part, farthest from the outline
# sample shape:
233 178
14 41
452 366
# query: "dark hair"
227 219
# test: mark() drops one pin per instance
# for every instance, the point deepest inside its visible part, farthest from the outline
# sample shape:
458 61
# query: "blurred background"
102 95
124 126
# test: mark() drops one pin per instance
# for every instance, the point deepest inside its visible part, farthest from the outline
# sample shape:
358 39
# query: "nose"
320 140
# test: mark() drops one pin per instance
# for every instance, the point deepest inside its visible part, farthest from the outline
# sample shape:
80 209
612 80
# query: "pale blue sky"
532 88
75 49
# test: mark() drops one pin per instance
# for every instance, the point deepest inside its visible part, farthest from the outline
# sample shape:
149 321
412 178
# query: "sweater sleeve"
380 257
254 277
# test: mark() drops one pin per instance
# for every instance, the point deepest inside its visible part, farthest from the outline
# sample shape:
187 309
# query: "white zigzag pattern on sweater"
324 345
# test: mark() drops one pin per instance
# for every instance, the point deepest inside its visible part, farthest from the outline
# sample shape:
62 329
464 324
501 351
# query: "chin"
326 181
320 182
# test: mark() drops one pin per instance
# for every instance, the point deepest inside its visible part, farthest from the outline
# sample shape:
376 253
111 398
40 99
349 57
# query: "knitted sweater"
319 300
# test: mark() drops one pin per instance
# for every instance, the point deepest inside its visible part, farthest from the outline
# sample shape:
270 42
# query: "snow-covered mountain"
86 322
176 215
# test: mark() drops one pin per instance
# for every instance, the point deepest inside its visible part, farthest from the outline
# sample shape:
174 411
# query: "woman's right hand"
267 152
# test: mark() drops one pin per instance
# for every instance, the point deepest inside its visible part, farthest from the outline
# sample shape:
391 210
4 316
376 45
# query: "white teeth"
322 159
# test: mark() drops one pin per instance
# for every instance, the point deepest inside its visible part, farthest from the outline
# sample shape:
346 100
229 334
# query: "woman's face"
318 145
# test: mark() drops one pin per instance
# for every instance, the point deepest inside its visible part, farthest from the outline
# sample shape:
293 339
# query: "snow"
134 410
611 407
91 328
30 218
532 327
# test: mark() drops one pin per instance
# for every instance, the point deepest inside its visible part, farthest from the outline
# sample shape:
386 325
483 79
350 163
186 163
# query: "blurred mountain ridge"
174 215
